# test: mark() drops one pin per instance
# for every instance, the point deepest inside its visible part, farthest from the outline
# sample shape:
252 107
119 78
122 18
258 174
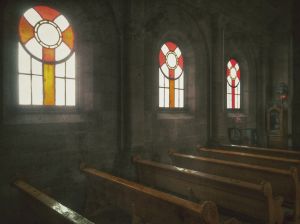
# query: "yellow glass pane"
172 93
68 37
49 85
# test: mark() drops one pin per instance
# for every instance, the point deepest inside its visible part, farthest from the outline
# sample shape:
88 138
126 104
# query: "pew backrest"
248 158
284 181
150 205
282 153
250 199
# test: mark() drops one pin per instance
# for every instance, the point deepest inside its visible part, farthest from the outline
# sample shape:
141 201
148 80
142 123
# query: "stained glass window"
171 76
233 75
46 58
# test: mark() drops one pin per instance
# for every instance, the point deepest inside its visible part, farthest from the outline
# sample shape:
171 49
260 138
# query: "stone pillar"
217 104
134 82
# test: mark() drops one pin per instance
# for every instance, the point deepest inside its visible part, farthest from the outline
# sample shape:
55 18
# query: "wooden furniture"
45 209
284 181
248 158
282 153
277 127
250 199
147 205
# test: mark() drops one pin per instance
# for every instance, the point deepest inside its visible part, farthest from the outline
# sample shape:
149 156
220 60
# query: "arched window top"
233 75
46 34
171 60
171 76
46 58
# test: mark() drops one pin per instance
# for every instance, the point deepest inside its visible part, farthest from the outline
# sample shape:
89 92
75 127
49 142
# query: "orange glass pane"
47 12
26 31
172 93
68 37
49 88
48 54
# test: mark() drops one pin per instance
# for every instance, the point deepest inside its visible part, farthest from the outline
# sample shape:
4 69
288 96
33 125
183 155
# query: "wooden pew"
284 181
45 209
147 205
282 153
250 199
248 158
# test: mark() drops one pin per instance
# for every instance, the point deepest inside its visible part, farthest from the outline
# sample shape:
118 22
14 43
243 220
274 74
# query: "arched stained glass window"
171 76
46 58
233 75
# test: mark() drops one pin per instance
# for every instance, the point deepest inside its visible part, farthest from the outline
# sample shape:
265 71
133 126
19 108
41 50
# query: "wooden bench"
248 158
45 209
284 181
147 205
282 153
250 199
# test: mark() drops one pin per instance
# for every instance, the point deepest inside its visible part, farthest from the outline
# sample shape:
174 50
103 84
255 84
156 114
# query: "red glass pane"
48 54
171 46
26 31
47 12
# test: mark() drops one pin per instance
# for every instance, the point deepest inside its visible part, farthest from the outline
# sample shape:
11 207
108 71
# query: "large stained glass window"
171 76
46 58
233 75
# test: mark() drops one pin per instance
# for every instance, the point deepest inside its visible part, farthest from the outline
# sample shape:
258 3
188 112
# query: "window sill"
176 115
46 118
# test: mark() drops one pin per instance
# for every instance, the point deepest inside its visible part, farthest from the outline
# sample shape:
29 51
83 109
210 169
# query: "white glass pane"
48 34
229 65
161 97
35 48
70 67
37 90
228 101
59 91
176 98
161 79
167 82
62 51
60 70
37 67
164 49
24 60
165 70
228 88
181 81
239 102
62 22
181 99
236 102
178 52
32 16
24 90
178 71
177 83
238 89
70 91
166 97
